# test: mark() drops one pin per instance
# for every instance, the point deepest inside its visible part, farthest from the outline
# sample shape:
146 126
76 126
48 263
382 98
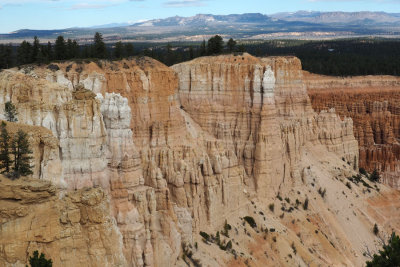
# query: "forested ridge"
346 57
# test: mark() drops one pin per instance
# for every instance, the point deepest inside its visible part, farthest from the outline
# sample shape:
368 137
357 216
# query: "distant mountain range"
301 24
341 17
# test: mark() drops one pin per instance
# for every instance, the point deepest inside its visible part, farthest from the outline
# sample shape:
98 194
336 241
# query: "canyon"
133 160
373 104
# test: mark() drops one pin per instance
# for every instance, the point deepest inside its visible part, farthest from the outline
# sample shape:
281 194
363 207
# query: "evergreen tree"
119 50
129 50
70 52
191 52
242 48
49 52
24 53
21 152
215 45
203 50
10 112
36 261
41 56
169 57
375 229
60 49
35 49
389 256
375 176
231 45
100 50
87 51
5 160
76 51
6 56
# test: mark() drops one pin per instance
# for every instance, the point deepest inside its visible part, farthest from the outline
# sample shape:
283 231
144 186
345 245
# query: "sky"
60 14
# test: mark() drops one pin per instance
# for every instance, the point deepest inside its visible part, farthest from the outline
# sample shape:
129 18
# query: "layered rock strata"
260 108
373 104
188 149
72 230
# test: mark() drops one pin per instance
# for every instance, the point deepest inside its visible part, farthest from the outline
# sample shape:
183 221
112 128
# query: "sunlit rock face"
187 149
372 102
260 108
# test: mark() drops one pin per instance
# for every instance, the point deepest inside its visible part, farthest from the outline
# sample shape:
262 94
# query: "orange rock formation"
185 149
373 103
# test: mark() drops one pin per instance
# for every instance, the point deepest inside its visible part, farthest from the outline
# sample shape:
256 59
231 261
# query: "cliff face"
73 230
261 109
207 142
373 104
73 118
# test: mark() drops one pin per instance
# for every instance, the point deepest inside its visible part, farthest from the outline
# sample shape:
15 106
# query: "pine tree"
6 56
5 160
119 50
375 229
10 112
375 176
49 51
129 50
203 50
231 45
69 49
35 49
169 57
215 45
100 50
36 261
389 256
21 152
191 52
242 48
60 49
41 57
24 52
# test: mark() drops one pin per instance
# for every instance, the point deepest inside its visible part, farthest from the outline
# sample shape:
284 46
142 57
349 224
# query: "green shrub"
229 245
205 236
348 185
305 204
271 207
36 261
375 176
389 255
375 229
294 248
250 221
322 192
363 171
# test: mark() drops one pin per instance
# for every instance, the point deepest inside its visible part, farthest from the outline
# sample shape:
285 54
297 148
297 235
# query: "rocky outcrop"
206 143
260 108
372 102
74 119
72 230
46 163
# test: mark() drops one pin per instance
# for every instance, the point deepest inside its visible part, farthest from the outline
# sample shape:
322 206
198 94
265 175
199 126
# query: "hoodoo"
373 104
219 161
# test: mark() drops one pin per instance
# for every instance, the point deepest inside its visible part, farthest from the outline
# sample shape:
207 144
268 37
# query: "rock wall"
189 148
73 230
373 104
74 119
260 108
